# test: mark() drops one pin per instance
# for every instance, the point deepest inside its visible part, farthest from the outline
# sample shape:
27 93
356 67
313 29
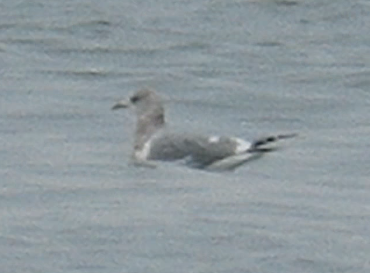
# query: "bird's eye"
134 99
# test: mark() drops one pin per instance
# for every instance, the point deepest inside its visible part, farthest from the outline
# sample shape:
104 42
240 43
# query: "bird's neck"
146 127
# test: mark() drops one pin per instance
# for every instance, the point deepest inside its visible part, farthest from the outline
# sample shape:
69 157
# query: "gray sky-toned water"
69 202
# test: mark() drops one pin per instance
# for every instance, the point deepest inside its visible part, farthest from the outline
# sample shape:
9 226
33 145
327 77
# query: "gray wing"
199 151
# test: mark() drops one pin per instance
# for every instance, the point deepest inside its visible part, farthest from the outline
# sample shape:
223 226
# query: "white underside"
242 146
143 154
232 162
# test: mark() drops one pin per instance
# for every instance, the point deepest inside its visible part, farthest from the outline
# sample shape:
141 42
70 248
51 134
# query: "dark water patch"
142 52
86 74
98 74
320 264
286 3
7 26
270 44
191 46
92 29
84 49
359 80
34 41
173 30
96 22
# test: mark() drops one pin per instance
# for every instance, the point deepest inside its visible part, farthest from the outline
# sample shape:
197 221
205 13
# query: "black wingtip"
259 143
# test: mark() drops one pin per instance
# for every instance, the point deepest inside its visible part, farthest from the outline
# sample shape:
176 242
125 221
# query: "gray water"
69 200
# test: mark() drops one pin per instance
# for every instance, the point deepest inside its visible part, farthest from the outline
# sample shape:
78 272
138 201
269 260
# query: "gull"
153 141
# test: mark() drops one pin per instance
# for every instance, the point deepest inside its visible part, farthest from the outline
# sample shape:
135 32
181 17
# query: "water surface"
69 202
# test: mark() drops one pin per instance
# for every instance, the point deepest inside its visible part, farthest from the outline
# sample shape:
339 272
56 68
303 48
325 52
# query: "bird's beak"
121 104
